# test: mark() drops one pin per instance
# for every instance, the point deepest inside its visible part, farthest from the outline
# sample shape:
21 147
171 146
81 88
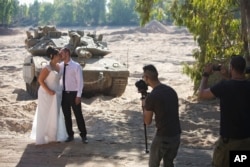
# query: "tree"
8 9
22 13
214 25
98 11
34 12
153 9
80 12
121 12
46 13
64 12
245 27
93 11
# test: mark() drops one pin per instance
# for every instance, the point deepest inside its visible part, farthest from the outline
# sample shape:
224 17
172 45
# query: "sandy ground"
115 127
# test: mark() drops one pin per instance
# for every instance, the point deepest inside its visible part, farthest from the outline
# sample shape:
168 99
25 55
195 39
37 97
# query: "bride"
48 124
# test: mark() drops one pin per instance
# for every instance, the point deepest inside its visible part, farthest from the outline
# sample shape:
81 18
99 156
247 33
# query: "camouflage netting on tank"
80 44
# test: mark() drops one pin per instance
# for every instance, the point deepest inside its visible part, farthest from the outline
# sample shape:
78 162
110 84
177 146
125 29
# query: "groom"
71 96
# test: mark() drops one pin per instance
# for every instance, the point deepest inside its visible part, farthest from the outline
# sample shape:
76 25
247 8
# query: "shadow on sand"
107 150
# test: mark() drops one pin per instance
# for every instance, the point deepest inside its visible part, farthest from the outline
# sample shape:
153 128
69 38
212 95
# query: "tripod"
143 96
142 88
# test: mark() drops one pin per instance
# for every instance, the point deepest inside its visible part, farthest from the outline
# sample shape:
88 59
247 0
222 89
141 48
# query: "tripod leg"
145 129
146 142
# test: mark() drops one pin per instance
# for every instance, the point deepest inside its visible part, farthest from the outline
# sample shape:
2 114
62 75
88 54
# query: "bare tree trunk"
245 28
244 36
247 7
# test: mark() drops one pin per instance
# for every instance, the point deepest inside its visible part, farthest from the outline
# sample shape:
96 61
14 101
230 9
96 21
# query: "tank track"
118 86
32 88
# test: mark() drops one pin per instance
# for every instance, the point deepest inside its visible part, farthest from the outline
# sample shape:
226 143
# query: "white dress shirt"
73 77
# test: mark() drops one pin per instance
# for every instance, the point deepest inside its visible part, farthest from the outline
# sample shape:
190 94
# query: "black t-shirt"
234 98
163 101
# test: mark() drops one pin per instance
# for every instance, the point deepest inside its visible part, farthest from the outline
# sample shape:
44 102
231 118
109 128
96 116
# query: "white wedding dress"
48 124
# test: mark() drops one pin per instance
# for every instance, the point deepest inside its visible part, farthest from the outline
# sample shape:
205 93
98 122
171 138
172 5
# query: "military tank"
101 75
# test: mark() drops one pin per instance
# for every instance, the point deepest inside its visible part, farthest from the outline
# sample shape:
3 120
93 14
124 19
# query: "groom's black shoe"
85 140
69 139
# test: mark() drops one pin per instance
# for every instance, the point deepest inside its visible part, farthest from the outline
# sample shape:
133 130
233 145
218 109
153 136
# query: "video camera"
142 88
217 67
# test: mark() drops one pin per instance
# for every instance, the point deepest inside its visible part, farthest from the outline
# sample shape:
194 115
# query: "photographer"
163 102
234 95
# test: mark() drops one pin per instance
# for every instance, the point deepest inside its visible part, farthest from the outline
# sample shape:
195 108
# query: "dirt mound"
153 27
8 31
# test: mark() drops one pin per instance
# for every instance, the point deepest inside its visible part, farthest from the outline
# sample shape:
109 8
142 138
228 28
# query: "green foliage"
153 9
22 11
93 12
215 26
121 12
98 11
8 9
79 12
47 11
145 10
64 12
34 12
69 13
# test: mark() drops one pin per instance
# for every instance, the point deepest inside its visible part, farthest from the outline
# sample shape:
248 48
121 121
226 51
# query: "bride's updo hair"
51 52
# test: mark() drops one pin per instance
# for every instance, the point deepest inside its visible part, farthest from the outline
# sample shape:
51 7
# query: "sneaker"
69 139
85 140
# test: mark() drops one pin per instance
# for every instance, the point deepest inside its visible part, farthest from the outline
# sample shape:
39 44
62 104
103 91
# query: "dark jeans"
68 102
223 147
165 148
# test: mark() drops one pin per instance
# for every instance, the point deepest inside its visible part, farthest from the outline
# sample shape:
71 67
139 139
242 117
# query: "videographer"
163 102
234 95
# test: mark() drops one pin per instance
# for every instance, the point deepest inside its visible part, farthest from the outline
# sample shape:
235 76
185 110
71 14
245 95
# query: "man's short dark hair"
238 63
66 50
151 71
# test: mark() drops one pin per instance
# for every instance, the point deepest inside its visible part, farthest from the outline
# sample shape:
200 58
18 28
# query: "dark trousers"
165 148
68 102
223 147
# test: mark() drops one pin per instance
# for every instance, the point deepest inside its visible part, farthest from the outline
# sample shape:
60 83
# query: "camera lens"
216 67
